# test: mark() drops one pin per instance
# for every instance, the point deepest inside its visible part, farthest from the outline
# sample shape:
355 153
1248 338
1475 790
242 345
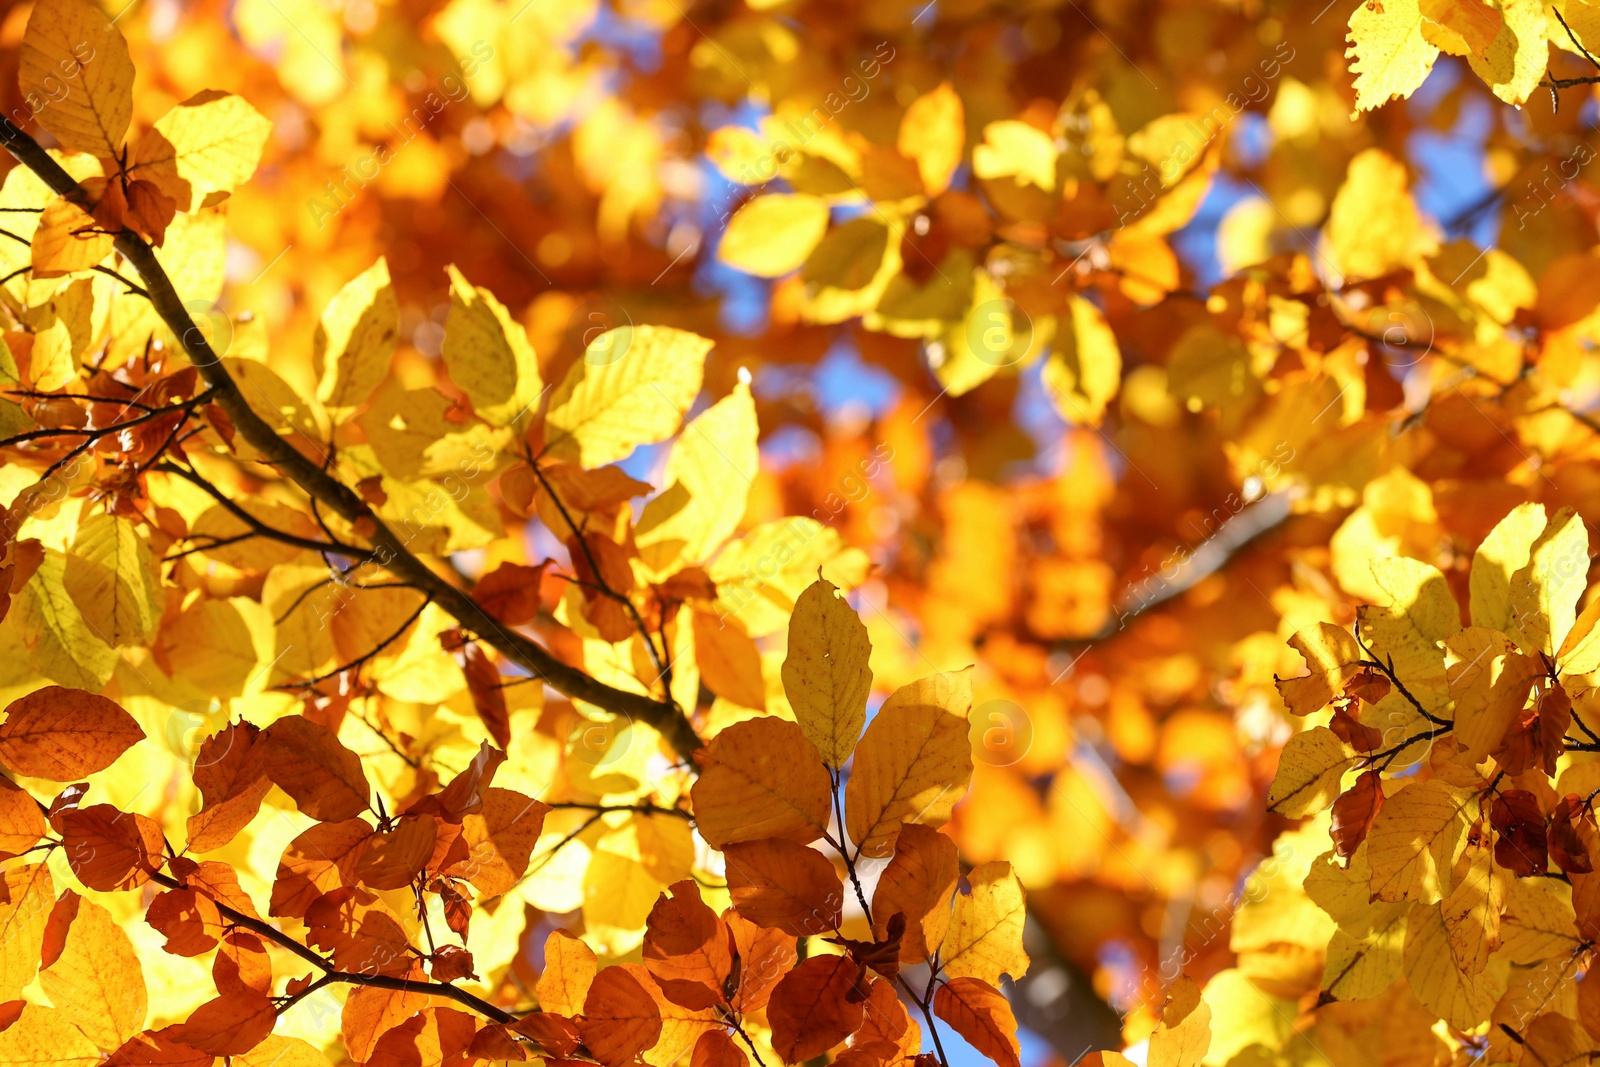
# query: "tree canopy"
788 532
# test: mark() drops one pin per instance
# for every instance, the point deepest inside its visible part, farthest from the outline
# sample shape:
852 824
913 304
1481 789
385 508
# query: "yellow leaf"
66 240
1365 965
914 762
1344 891
1015 149
46 1037
632 388
355 339
1391 57
1416 840
569 970
111 576
1460 27
413 436
773 234
709 474
1084 370
1183 1035
488 355
1539 923
1430 968
1502 554
985 936
1308 773
26 895
72 45
1333 657
1490 681
95 974
1517 54
1373 227
1580 652
761 575
825 673
1472 910
1544 591
207 145
61 644
1406 627
933 132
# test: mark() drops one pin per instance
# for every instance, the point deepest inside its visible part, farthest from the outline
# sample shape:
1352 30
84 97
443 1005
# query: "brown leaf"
1519 823
1354 811
110 849
64 734
450 962
1567 842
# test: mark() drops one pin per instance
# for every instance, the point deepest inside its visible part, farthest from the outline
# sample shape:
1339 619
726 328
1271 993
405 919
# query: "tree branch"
389 549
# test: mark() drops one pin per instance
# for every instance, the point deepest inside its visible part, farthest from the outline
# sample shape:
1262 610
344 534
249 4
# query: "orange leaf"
322 858
917 883
761 778
687 948
156 1049
370 1012
976 1010
553 1032
21 822
786 885
765 956
227 1026
306 760
620 1019
241 964
510 592
232 778
64 734
815 1007
716 1049
360 931
392 859
499 840
730 663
